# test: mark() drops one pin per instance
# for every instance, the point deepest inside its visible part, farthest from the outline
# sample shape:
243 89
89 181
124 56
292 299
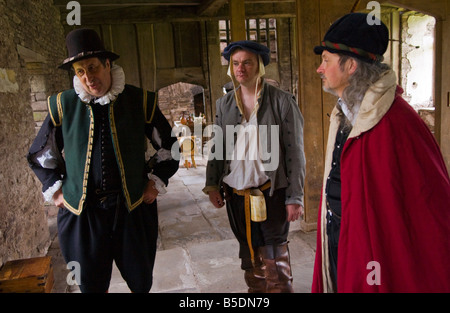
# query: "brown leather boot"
254 275
278 268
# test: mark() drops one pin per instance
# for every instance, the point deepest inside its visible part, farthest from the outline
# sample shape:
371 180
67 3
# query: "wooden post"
237 18
311 105
442 89
313 20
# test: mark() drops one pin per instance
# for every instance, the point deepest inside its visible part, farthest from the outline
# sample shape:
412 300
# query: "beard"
329 90
326 88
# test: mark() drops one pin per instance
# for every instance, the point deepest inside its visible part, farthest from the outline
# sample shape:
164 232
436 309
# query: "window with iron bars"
263 31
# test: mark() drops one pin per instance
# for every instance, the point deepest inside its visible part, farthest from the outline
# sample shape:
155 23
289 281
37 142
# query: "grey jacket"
280 126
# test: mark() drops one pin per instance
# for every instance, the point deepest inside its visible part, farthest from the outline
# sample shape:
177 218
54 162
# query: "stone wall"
417 59
31 47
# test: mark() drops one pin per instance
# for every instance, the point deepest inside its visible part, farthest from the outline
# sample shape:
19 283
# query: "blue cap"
250 46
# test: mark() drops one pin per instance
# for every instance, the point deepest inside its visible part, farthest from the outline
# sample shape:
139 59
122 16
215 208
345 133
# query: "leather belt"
246 193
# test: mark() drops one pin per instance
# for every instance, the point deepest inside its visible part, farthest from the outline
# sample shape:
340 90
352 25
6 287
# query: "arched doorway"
184 106
181 99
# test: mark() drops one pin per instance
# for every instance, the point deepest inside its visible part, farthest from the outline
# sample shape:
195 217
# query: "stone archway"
181 99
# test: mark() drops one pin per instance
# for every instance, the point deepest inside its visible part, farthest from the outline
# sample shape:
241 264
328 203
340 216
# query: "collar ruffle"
117 86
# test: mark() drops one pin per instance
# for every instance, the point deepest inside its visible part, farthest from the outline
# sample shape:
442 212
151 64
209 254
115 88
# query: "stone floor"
197 251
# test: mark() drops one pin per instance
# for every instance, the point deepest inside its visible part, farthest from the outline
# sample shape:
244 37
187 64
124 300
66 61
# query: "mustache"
322 76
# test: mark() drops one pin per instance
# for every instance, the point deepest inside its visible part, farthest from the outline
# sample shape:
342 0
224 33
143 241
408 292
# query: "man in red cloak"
384 218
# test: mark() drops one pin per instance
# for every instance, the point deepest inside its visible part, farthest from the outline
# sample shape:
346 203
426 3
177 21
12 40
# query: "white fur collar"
376 102
117 86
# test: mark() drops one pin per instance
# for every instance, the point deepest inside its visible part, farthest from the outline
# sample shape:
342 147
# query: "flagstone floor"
197 251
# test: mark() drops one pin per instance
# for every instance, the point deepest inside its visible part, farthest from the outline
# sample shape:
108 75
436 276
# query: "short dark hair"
102 60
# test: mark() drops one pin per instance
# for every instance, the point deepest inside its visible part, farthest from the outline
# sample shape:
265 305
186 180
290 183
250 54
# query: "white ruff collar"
117 86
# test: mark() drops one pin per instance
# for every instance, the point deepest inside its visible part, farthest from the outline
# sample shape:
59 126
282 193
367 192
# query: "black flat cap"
357 35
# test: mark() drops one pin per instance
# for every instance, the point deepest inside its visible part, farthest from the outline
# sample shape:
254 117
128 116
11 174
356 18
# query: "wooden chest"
33 275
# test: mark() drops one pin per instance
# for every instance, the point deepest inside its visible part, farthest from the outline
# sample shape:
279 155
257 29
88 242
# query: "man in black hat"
105 189
384 212
237 166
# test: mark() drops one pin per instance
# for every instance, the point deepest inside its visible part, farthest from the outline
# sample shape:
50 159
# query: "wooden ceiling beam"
269 1
206 7
121 3
211 7
154 14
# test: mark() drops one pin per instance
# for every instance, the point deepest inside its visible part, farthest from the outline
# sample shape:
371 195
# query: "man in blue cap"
237 166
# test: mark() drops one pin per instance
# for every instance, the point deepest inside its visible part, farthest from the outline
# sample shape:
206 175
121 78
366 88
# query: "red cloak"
395 210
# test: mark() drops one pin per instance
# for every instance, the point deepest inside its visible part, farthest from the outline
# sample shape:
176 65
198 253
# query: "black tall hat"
85 43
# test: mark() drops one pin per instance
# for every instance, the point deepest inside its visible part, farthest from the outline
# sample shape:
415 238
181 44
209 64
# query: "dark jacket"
286 165
133 116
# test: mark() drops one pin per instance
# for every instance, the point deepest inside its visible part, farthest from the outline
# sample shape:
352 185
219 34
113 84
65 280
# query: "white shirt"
246 168
350 114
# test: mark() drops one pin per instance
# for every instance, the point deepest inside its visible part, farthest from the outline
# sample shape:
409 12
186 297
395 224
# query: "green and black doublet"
128 116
